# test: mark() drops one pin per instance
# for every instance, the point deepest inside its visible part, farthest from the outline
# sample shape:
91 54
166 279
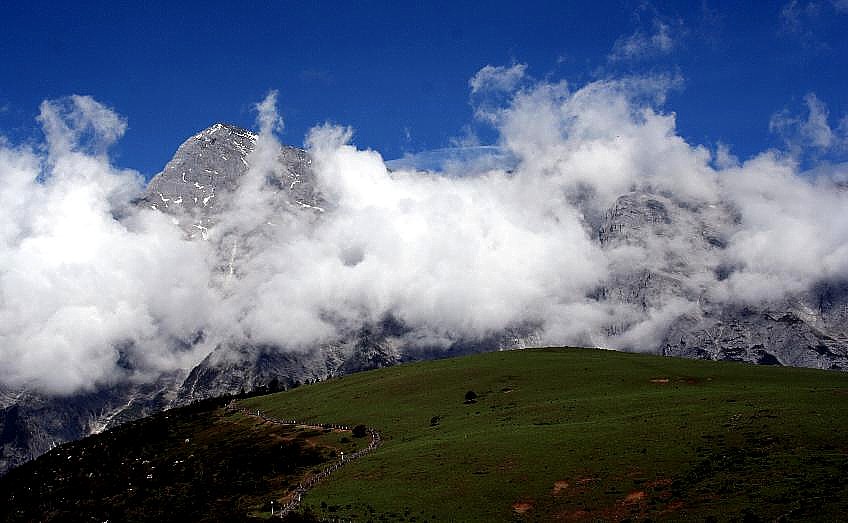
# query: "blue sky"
398 72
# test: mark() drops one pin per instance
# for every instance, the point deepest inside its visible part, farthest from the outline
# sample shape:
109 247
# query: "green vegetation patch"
579 434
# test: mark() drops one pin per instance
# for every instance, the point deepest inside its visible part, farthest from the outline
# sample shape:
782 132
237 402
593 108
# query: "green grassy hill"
549 434
577 434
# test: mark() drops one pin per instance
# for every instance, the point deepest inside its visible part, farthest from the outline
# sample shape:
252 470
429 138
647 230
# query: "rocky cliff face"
33 423
683 241
198 184
808 330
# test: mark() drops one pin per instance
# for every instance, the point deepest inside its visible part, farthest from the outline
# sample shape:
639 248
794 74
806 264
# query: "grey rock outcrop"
686 243
199 182
32 423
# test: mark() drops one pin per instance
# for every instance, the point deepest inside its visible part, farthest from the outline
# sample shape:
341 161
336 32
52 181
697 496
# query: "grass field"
578 434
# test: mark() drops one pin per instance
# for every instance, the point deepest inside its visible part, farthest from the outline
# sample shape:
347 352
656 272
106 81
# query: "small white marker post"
272 508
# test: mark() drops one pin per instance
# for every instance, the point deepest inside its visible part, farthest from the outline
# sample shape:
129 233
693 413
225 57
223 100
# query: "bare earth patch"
661 381
521 507
635 497
559 486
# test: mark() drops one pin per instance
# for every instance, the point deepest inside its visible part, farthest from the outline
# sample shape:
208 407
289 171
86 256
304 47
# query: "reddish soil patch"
635 496
661 381
632 506
521 507
559 486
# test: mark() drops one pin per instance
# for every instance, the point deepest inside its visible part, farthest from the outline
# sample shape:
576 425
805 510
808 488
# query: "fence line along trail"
311 481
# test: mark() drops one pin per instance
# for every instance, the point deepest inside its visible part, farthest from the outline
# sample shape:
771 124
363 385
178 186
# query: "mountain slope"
585 435
199 463
573 434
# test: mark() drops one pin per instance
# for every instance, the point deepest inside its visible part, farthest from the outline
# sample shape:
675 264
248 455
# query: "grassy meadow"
580 434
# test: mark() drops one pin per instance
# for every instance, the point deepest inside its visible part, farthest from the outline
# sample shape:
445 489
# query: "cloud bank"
94 289
88 286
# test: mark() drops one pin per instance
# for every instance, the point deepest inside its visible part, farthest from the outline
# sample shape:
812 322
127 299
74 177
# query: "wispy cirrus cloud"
659 40
497 78
803 19
811 131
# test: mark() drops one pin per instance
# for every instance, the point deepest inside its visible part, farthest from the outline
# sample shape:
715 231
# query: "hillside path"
375 441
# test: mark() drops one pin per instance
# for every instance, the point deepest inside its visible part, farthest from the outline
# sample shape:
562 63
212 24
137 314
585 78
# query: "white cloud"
790 15
87 283
724 159
791 234
497 78
641 44
804 19
843 127
76 284
80 122
814 131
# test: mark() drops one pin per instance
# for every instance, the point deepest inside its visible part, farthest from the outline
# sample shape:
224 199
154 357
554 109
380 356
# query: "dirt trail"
296 497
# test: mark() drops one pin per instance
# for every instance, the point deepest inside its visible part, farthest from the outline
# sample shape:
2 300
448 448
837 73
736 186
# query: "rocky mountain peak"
198 182
227 129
